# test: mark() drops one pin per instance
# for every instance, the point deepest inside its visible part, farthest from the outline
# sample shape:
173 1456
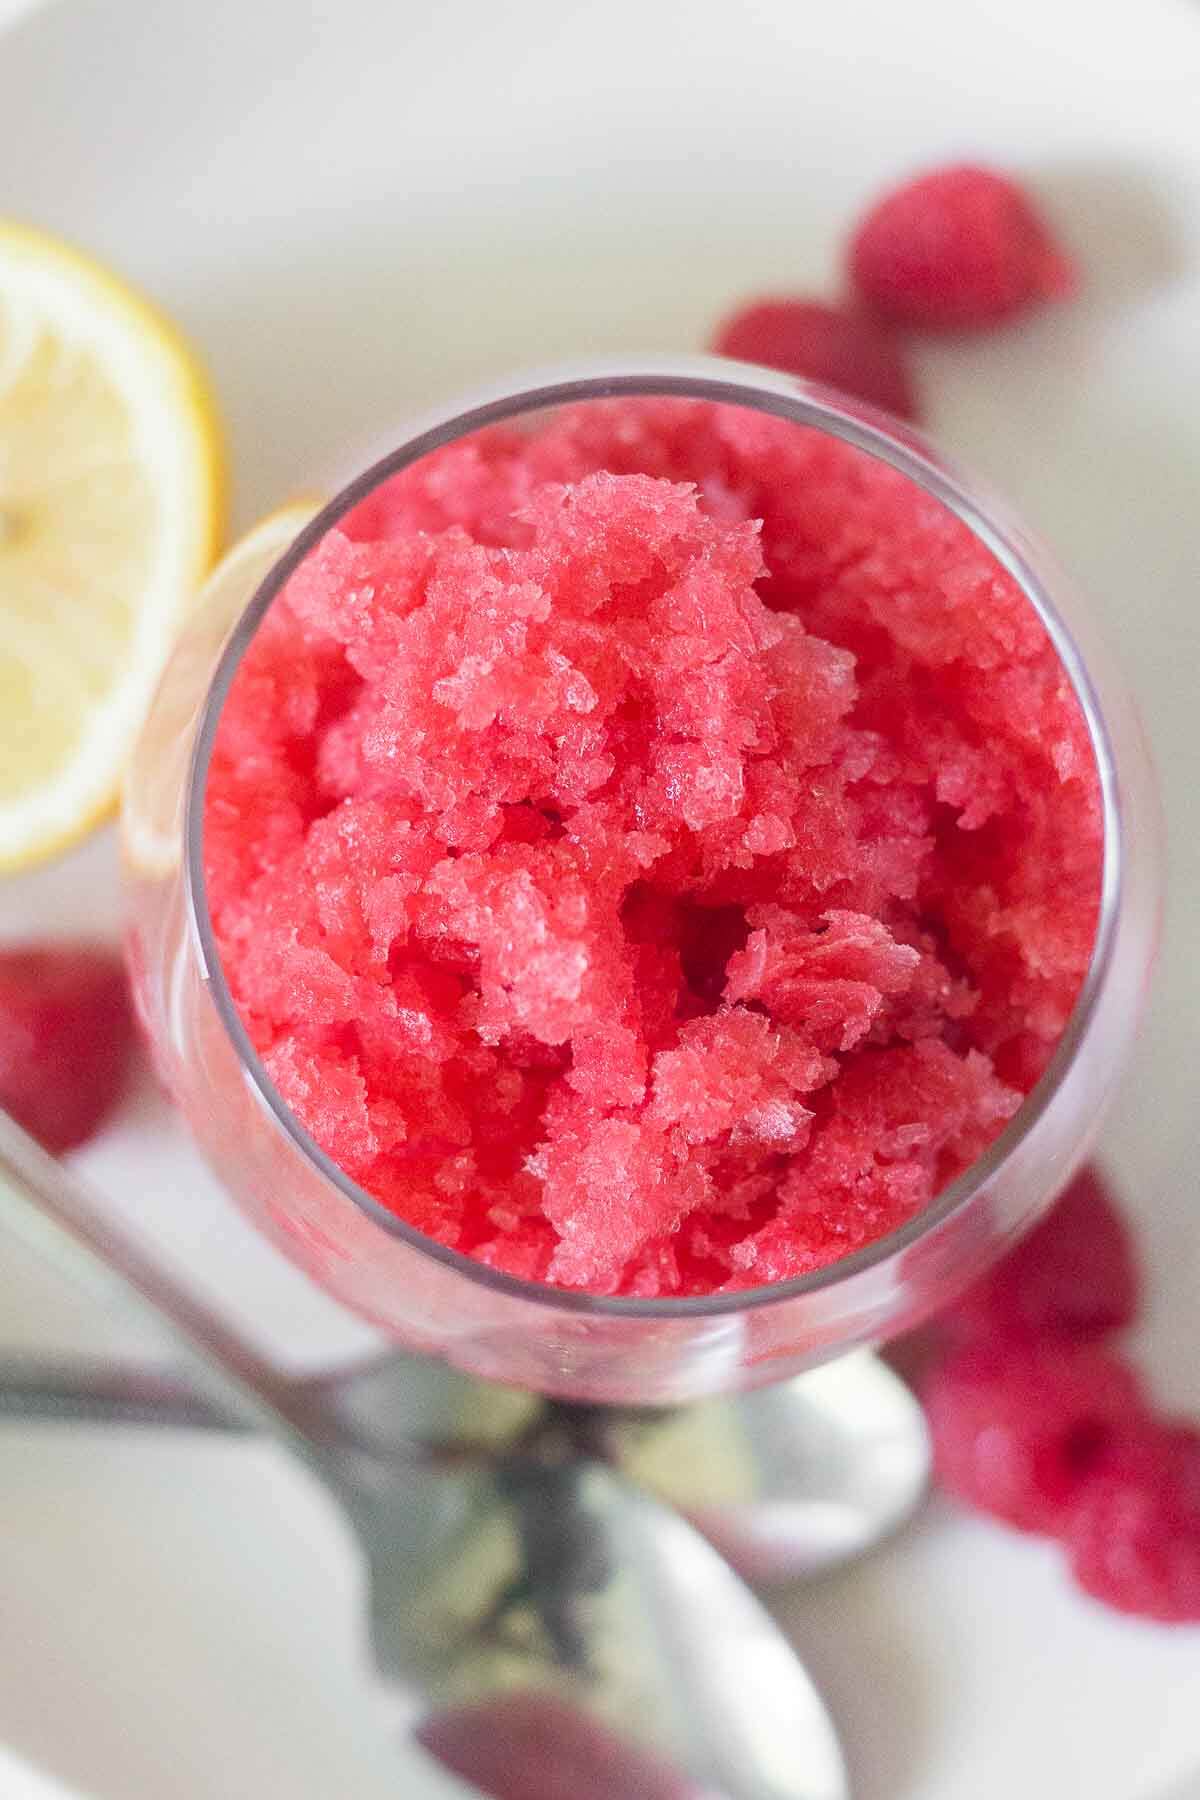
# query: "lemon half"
111 503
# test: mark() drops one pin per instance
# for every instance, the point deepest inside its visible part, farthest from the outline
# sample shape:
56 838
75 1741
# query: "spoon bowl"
544 1629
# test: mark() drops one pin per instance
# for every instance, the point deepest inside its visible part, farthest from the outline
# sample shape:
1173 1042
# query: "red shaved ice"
653 852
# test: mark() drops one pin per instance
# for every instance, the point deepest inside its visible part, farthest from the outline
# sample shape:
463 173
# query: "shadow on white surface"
1125 220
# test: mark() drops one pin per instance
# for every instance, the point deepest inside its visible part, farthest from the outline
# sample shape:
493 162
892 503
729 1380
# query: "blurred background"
355 210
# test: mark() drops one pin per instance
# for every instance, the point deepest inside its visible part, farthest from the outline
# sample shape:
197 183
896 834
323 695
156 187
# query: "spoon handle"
91 1391
52 1211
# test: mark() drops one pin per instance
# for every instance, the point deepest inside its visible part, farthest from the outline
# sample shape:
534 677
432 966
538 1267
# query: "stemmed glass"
576 1346
483 1427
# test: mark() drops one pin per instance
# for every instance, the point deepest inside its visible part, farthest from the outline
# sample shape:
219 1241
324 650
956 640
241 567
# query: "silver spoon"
790 1481
787 1482
541 1626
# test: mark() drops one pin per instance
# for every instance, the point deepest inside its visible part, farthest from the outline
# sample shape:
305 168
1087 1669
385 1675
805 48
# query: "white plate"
357 206
20 1782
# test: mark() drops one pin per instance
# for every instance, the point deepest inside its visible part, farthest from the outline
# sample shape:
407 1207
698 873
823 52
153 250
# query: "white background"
359 208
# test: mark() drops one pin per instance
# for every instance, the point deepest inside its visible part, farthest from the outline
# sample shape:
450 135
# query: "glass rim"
802 403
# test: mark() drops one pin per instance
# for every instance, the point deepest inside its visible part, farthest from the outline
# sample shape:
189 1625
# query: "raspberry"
1018 1428
66 1033
1134 1531
1074 1276
538 1747
843 348
958 249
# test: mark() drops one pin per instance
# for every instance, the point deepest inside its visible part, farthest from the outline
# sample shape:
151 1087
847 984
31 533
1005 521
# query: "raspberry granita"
653 852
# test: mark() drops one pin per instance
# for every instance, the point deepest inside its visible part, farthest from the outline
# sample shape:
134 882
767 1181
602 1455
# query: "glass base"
786 1482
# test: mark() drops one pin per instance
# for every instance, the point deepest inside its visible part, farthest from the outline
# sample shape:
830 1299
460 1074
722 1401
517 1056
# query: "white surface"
19 1782
357 214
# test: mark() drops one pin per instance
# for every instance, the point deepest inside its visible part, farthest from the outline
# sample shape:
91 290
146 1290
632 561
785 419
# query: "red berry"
1134 1531
958 249
529 1746
1017 1428
832 344
66 1032
1074 1275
